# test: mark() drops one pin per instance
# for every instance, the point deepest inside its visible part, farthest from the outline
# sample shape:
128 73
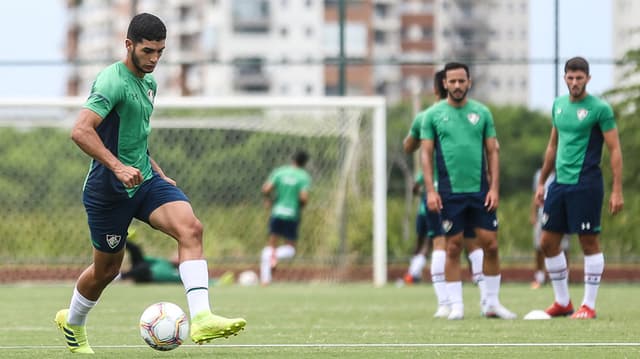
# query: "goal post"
220 149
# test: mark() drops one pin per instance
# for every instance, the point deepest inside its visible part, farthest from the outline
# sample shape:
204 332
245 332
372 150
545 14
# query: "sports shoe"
584 312
499 311
75 336
456 314
207 326
409 279
557 310
442 312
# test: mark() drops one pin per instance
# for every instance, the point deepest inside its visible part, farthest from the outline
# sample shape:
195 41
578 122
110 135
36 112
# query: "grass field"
330 321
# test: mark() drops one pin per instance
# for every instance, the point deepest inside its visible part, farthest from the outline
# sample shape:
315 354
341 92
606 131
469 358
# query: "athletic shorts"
466 210
573 208
429 225
110 219
284 228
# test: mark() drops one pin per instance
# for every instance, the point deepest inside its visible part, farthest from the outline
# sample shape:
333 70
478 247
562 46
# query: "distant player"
461 134
286 192
582 123
535 218
429 226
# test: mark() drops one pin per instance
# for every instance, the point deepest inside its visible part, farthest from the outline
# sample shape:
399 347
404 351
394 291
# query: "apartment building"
626 36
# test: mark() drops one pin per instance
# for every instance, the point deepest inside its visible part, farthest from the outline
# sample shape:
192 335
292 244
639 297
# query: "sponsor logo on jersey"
473 118
582 113
113 240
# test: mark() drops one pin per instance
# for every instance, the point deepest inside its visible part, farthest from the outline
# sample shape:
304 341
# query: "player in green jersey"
286 192
124 182
429 226
461 133
582 123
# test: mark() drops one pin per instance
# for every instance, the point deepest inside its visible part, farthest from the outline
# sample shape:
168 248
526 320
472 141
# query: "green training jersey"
580 127
124 102
459 136
419 180
288 182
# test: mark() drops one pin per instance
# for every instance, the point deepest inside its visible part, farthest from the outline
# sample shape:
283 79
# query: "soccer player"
124 182
581 124
535 218
286 192
429 225
462 133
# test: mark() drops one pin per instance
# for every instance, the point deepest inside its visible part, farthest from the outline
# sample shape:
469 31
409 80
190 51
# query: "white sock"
539 276
593 268
477 258
438 258
454 289
417 265
265 265
559 276
285 251
195 278
492 289
79 308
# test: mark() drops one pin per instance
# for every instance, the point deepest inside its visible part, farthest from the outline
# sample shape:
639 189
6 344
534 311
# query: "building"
626 36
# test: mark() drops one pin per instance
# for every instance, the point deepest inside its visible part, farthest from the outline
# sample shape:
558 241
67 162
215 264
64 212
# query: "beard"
458 96
136 62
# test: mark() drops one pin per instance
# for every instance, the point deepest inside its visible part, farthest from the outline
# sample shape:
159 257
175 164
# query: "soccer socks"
477 258
438 258
492 289
454 289
559 275
593 268
285 251
265 265
195 278
417 265
79 308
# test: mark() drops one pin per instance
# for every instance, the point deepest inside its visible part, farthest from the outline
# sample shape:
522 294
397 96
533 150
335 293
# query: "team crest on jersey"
113 240
150 95
473 118
446 226
582 113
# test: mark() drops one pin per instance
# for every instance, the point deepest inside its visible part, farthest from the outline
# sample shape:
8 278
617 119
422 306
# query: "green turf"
330 321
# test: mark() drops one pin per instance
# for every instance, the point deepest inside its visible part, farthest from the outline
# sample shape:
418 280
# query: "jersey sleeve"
606 119
306 184
489 128
426 126
106 92
414 131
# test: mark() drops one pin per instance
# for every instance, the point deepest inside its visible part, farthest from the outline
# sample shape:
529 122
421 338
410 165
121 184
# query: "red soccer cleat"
409 279
557 310
584 312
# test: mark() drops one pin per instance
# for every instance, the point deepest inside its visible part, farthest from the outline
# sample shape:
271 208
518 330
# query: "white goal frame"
375 104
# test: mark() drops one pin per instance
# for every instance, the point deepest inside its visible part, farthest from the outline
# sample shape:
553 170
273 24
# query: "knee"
491 248
108 274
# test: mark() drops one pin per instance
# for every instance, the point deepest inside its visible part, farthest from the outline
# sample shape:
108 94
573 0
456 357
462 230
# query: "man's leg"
438 258
489 242
556 264
593 268
453 276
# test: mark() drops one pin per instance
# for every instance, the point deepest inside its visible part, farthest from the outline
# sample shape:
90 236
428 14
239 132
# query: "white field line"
347 345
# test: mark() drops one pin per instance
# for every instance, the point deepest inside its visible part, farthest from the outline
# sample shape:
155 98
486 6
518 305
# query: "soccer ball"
247 278
164 326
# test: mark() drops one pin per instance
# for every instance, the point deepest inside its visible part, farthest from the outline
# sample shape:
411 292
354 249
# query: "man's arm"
493 162
616 201
266 190
85 136
433 198
548 165
158 170
304 198
410 144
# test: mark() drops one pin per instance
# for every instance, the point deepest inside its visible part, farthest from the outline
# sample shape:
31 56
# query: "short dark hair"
577 63
438 78
300 157
455 66
146 27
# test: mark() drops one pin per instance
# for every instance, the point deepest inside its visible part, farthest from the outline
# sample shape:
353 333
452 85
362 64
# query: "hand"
491 201
616 203
129 176
434 202
540 196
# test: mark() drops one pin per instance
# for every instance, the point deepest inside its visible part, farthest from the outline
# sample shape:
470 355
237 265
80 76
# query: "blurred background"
293 48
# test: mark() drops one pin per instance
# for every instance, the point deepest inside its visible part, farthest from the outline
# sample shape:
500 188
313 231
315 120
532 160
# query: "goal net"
220 151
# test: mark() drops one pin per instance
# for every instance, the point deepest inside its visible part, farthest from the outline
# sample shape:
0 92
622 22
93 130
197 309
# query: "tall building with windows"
292 47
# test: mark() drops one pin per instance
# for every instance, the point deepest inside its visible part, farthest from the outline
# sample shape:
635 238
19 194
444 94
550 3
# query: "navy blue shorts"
110 219
284 228
466 211
573 208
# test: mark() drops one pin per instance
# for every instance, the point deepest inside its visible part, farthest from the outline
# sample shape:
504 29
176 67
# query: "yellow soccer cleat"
74 335
207 326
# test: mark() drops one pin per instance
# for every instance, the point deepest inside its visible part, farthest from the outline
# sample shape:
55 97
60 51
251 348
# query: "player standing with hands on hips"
581 124
124 182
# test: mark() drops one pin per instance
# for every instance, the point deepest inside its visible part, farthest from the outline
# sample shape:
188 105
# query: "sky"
38 36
